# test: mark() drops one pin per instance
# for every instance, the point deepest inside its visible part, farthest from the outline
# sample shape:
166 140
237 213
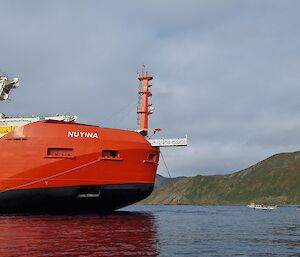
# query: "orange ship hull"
61 166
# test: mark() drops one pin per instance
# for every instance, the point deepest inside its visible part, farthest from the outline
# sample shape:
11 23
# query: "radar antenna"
6 85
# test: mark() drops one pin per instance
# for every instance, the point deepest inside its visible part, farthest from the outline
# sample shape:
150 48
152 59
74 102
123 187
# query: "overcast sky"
226 72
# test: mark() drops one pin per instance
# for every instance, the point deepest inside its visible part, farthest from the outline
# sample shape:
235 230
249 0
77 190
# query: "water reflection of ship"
117 234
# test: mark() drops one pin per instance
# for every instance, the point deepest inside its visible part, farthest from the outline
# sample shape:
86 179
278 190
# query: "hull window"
17 138
60 152
152 159
110 154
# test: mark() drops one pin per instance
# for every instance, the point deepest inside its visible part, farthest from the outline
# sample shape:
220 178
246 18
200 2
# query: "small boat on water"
298 208
261 206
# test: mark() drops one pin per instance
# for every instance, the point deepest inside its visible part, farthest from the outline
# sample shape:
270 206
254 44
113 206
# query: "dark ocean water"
155 231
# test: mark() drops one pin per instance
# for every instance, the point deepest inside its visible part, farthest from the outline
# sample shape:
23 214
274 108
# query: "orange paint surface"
55 154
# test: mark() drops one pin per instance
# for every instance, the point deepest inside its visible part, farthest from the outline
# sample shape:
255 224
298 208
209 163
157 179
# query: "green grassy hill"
275 180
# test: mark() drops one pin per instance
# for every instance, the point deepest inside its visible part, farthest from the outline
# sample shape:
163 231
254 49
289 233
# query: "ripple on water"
155 231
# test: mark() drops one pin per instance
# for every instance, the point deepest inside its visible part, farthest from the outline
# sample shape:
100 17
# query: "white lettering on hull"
82 134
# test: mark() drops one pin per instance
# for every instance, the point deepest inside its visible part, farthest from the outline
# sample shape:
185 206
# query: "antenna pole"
144 108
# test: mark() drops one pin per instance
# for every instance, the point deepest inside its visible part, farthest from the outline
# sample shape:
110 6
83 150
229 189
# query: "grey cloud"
226 72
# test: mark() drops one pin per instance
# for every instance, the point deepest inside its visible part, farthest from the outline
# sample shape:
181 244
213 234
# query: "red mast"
144 108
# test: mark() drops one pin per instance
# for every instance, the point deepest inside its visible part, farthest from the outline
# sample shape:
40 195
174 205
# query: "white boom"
164 142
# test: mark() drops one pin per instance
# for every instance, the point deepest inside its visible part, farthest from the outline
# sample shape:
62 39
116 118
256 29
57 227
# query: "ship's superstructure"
10 123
